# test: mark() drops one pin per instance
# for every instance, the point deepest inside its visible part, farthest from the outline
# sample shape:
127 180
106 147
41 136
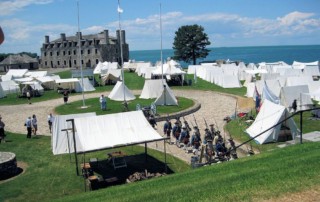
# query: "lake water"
288 54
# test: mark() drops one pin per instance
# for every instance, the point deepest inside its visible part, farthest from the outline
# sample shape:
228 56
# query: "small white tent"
152 88
166 98
120 91
86 87
269 115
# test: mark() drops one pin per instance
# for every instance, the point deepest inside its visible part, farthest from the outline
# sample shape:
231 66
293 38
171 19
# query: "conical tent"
119 91
269 115
153 88
166 98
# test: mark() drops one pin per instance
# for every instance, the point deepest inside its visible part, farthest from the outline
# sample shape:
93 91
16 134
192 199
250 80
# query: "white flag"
120 9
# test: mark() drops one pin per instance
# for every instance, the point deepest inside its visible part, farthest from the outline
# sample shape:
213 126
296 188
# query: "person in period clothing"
152 121
231 149
34 122
184 137
2 134
212 130
176 130
28 96
294 105
167 127
103 102
65 96
28 124
50 121
195 140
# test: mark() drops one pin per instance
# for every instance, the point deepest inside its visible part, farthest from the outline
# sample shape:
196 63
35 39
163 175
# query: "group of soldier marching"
213 143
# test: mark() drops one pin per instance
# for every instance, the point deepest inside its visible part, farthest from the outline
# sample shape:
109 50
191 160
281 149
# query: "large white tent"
62 141
108 131
119 92
269 115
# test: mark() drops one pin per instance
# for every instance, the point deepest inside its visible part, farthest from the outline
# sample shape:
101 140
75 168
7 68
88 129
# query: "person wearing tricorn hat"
176 130
184 137
195 140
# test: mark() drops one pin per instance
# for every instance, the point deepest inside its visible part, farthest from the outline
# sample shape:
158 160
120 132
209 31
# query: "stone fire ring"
8 163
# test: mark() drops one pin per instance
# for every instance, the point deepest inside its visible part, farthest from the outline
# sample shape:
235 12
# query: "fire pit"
8 164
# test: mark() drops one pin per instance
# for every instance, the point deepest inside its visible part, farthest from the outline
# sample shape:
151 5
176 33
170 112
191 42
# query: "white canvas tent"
67 83
108 131
10 87
2 93
36 74
17 73
152 88
119 91
301 93
86 87
269 115
166 98
62 141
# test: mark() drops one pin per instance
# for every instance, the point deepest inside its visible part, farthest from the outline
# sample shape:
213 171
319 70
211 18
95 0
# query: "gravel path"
214 107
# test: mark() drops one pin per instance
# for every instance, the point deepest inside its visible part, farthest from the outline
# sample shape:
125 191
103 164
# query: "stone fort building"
63 52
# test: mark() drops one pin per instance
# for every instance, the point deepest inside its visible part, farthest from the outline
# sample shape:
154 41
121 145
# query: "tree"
190 43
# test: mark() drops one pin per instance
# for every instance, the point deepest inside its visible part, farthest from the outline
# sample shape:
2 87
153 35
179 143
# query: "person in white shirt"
103 102
50 121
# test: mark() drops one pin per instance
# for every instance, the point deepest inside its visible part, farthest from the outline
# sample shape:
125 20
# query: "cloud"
11 6
294 17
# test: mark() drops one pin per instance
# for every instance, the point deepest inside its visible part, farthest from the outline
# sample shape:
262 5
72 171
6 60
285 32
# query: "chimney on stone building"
46 39
106 36
79 33
63 36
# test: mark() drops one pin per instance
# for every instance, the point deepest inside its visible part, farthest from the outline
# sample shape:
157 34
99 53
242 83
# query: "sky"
228 23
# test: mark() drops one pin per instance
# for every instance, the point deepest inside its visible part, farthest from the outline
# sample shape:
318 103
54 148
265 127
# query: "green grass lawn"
117 106
265 176
47 177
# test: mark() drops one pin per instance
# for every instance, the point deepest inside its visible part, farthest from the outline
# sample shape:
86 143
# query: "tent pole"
301 127
165 156
74 145
145 151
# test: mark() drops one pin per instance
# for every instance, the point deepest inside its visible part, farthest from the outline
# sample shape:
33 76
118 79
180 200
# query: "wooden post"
74 145
145 151
301 127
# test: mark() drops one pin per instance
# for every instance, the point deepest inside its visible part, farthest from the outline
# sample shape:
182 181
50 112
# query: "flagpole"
121 55
80 59
164 88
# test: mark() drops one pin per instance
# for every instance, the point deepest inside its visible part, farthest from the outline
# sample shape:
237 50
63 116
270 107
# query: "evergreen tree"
190 43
